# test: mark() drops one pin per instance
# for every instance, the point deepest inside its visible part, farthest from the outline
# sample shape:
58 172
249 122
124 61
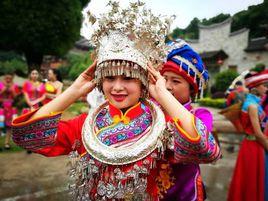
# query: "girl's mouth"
119 97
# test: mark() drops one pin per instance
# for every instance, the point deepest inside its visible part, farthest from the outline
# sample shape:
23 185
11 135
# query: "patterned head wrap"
184 61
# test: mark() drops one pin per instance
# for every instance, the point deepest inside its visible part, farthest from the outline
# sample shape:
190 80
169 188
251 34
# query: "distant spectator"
237 94
8 91
33 91
53 86
249 181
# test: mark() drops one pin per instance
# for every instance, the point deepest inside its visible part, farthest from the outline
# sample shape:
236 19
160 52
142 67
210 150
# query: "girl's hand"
157 83
264 143
85 82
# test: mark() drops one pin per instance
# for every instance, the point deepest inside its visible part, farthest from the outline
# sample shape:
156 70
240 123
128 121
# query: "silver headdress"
126 40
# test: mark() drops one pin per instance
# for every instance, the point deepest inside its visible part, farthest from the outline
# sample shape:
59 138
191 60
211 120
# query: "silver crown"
117 46
134 35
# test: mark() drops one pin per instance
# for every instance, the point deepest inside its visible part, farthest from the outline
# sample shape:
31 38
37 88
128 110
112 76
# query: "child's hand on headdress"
157 82
85 82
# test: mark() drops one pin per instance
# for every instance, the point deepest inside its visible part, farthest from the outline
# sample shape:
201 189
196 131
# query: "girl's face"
51 75
34 75
262 88
121 91
8 78
177 86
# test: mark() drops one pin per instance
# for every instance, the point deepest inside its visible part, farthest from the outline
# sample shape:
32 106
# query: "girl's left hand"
157 83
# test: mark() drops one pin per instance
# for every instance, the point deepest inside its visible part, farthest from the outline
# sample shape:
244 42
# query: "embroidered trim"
119 132
202 151
38 134
178 125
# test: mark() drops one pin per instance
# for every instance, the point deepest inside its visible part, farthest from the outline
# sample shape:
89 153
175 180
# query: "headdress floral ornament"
126 40
183 60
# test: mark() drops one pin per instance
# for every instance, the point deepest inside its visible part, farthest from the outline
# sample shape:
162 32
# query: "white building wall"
214 38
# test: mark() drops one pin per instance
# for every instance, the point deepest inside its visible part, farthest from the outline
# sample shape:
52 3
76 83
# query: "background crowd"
36 91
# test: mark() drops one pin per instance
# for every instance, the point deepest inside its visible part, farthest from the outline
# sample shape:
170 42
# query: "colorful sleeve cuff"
35 133
201 149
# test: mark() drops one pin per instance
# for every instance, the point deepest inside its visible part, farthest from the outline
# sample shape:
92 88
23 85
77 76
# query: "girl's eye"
176 81
110 78
128 78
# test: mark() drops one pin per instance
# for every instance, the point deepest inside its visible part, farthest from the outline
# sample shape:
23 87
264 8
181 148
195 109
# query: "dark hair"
57 73
12 73
250 74
239 83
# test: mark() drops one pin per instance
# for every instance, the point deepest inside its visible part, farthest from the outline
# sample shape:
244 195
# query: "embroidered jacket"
176 176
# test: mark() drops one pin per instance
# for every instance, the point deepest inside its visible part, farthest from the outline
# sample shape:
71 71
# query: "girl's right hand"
85 82
265 144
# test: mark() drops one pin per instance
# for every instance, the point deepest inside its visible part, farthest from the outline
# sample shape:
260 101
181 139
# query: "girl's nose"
168 85
118 84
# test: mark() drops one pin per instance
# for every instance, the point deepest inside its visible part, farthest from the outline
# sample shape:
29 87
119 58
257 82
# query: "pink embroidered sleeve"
203 148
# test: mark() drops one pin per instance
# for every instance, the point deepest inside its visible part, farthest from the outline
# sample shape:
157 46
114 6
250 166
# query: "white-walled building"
221 49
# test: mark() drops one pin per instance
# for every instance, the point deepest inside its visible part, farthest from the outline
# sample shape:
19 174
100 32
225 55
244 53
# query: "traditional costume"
183 61
50 89
34 92
125 156
250 180
7 110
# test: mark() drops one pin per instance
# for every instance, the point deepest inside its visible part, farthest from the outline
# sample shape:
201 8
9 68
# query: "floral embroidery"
203 150
164 179
116 129
38 134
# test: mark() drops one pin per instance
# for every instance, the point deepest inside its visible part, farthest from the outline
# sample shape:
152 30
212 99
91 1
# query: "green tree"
192 29
36 28
224 79
76 64
254 18
217 19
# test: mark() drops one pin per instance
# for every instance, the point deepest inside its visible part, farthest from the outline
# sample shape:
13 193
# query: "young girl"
184 76
125 147
250 179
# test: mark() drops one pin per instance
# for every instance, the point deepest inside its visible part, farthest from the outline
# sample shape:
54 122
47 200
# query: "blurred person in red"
33 91
250 179
8 91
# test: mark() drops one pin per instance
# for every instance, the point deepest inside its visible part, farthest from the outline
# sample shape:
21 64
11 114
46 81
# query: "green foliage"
258 67
9 55
191 31
16 66
224 79
217 19
254 18
77 63
208 102
36 28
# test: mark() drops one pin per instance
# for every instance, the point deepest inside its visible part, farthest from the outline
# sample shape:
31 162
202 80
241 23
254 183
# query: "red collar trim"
131 113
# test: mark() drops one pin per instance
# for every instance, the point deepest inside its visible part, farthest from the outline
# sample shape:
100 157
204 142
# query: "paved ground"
34 177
